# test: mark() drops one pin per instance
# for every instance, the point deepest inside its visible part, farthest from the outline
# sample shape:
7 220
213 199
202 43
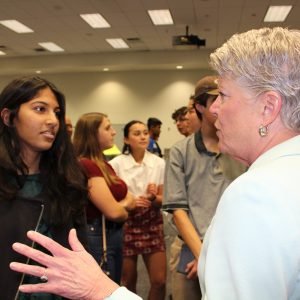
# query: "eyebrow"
39 101
42 102
139 130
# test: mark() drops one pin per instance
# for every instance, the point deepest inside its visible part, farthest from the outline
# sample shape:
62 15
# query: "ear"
125 140
272 102
199 107
5 114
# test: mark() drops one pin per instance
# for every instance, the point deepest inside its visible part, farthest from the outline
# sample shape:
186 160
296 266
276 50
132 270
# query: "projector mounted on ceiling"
187 41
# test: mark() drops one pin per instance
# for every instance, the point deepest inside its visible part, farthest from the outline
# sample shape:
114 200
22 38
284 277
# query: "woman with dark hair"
42 185
143 173
108 193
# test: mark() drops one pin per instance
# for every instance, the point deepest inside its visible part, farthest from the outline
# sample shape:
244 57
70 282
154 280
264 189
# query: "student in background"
108 193
154 128
143 173
194 116
196 176
181 121
69 126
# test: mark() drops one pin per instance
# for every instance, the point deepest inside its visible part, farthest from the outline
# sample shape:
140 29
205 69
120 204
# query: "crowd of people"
229 187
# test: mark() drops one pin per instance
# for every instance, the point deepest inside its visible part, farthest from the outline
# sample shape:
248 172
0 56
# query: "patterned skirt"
143 232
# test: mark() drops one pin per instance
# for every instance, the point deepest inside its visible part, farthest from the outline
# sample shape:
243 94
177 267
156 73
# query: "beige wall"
127 95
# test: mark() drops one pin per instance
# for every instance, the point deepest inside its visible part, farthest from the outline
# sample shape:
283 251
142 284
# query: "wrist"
152 198
104 290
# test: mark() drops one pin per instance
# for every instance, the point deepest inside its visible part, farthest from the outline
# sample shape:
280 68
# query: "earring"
263 130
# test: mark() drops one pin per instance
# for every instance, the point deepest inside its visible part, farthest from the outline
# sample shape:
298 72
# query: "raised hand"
72 273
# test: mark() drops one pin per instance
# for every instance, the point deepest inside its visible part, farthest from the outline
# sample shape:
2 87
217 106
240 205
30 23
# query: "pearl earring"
263 130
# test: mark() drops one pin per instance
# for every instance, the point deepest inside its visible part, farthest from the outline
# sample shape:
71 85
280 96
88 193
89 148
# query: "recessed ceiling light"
117 43
38 71
179 67
105 69
95 20
2 53
161 17
277 13
16 26
51 47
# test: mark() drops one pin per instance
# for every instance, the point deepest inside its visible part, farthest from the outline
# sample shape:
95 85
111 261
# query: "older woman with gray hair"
252 248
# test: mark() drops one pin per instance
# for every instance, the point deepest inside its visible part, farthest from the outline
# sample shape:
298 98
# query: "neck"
271 140
138 155
209 136
32 161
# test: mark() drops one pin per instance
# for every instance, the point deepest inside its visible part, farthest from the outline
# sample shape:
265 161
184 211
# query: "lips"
49 134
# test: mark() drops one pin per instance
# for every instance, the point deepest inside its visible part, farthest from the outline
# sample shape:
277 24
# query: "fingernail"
30 233
16 245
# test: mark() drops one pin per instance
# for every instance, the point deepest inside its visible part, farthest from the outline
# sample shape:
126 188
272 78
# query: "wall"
127 95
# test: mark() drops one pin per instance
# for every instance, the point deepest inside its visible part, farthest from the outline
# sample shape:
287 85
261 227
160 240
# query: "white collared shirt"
138 175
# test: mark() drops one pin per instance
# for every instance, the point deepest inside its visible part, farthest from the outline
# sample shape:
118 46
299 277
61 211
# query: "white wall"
127 95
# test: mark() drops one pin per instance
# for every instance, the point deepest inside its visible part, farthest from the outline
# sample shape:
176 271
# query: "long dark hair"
126 148
87 145
63 182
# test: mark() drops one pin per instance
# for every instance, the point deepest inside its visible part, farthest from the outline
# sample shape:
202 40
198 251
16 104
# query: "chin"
42 148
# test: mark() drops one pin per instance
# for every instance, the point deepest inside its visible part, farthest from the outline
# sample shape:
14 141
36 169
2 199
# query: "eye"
39 108
222 96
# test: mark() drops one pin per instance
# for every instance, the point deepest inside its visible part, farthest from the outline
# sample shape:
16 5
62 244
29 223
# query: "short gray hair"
266 59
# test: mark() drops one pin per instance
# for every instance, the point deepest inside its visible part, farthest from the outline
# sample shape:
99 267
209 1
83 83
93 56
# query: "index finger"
49 244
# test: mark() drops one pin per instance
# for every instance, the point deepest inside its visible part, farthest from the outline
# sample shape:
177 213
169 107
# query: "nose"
113 132
53 119
215 106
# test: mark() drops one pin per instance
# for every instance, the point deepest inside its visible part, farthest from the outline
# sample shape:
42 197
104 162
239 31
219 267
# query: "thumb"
190 264
74 242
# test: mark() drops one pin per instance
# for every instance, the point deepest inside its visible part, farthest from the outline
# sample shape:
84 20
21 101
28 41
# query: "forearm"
119 214
103 199
187 231
128 202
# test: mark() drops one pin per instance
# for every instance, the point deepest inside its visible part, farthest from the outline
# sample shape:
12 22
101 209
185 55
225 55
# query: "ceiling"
58 21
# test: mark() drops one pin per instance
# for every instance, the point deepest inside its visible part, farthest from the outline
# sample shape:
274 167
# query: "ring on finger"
44 277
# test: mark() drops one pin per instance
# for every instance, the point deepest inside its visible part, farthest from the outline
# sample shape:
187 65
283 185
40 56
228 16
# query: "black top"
19 215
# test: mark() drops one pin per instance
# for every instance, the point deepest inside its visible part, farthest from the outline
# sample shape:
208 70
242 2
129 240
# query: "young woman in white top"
143 173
